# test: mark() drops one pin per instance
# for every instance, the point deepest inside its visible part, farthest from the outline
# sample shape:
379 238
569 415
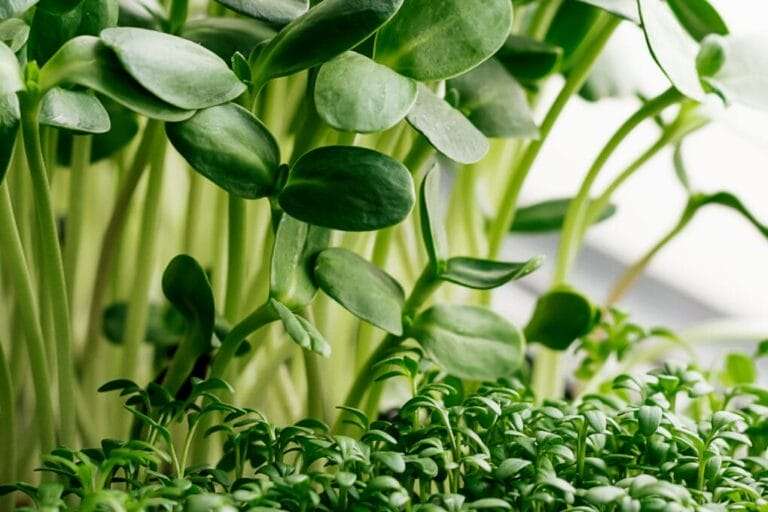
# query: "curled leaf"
486 274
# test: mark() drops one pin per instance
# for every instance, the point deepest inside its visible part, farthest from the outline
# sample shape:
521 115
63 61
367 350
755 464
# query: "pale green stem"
262 316
317 404
236 261
542 18
194 211
7 429
78 195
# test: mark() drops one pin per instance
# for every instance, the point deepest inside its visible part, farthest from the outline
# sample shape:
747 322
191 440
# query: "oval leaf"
494 102
649 419
183 74
348 188
186 286
353 93
11 8
12 81
293 259
486 274
672 49
77 111
432 228
141 13
328 29
276 12
548 216
529 60
14 33
698 17
225 36
363 289
231 147
561 317
470 342
430 40
86 61
446 128
301 330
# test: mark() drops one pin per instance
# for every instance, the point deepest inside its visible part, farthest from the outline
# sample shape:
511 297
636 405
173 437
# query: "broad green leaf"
72 110
14 33
739 368
604 494
626 9
430 40
548 216
361 288
86 61
301 330
672 48
649 419
11 8
486 274
141 13
296 247
736 67
446 128
698 17
561 317
9 126
348 188
489 503
186 286
430 217
470 342
529 60
10 70
57 22
511 467
184 74
231 147
275 12
355 94
225 36
328 29
569 28
494 102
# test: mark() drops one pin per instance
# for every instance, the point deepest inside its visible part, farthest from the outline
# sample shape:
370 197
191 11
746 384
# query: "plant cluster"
352 169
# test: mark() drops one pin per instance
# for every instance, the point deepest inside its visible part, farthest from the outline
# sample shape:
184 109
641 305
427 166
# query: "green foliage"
549 216
561 316
75 111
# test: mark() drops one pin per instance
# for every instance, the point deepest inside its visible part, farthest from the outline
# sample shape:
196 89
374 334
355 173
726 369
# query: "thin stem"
78 195
542 18
194 211
27 310
53 266
262 316
317 406
236 264
593 46
7 429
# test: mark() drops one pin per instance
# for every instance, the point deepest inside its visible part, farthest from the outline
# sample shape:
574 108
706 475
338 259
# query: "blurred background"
711 283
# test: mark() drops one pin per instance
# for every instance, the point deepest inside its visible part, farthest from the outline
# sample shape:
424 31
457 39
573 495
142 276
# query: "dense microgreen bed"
328 186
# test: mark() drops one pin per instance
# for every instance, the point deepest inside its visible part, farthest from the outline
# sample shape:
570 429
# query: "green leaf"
184 74
11 8
485 503
77 111
730 201
429 40
494 102
395 461
626 9
511 467
649 419
529 60
432 229
9 126
610 77
355 94
446 128
548 216
231 147
672 49
86 61
325 31
470 342
698 17
736 67
604 494
293 259
569 28
225 36
301 330
348 188
275 12
10 70
739 369
362 288
142 13
14 33
486 274
164 326
561 316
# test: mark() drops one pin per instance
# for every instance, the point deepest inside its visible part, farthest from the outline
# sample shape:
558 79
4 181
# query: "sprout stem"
78 195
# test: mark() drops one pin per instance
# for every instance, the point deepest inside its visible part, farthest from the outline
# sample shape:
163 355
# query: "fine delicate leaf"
184 74
429 40
325 31
529 60
301 330
362 288
698 17
548 216
348 188
446 128
293 259
673 49
353 93
432 229
77 111
276 12
470 342
626 9
231 147
9 126
225 36
86 61
486 274
494 102
561 316
10 70
729 201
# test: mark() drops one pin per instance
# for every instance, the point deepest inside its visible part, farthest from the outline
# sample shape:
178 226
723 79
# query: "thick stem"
53 266
78 195
236 261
